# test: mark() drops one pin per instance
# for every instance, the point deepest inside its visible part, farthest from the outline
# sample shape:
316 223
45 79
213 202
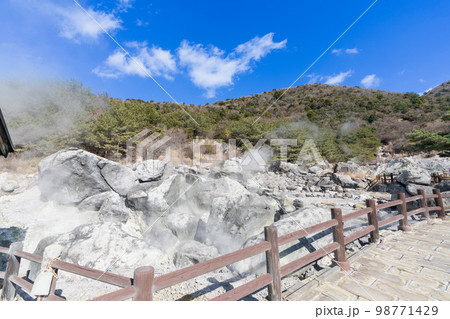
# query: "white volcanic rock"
120 178
104 246
72 175
192 252
233 220
149 170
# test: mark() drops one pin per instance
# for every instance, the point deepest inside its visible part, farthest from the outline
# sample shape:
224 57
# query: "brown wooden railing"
439 177
436 177
144 283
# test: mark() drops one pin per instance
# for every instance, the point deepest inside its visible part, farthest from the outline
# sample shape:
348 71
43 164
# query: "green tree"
430 141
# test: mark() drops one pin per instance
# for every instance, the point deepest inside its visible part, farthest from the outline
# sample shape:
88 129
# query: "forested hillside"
346 122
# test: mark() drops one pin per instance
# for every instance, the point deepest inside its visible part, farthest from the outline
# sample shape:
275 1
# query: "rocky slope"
97 213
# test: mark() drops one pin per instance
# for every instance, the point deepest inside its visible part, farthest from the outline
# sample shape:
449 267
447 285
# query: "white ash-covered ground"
97 213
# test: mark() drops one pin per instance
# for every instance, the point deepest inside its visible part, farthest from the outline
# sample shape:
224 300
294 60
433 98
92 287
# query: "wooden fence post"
273 263
403 223
439 202
373 220
12 268
426 213
143 282
338 236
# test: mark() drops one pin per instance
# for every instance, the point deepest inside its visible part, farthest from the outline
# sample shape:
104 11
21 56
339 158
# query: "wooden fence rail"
144 283
436 178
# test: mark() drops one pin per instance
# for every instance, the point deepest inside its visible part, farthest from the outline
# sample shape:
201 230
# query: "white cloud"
124 5
76 24
338 78
370 80
141 23
73 23
314 78
345 51
154 61
333 79
422 80
209 68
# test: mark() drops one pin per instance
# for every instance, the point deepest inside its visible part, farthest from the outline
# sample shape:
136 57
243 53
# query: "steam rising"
36 109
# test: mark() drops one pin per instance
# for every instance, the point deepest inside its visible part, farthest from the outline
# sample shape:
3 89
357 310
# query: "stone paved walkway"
405 266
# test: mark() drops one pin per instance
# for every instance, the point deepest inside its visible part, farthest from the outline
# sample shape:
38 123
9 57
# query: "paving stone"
396 280
430 252
434 293
368 293
424 263
362 299
362 278
438 275
443 250
401 293
374 263
321 297
392 253
440 260
417 277
336 293
406 266
399 264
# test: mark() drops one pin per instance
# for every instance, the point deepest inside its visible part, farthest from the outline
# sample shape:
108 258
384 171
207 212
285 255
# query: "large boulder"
105 246
192 252
233 220
70 176
232 168
95 202
349 168
344 180
120 178
415 175
284 167
183 223
114 209
432 164
161 237
443 186
203 192
150 170
397 165
413 189
153 198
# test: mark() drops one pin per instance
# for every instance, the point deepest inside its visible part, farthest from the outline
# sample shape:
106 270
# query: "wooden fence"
436 177
439 177
144 283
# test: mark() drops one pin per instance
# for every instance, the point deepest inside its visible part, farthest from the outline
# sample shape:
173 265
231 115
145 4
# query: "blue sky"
203 51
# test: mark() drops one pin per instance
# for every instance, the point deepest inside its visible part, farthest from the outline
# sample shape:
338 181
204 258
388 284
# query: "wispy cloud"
370 81
141 23
72 22
124 5
152 60
338 78
333 79
210 68
422 80
345 51
76 24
